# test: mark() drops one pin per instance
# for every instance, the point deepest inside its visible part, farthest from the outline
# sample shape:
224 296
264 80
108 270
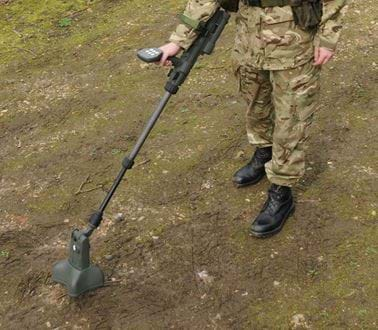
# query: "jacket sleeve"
331 25
196 10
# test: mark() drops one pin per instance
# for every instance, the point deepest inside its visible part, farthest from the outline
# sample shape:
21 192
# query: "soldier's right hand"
170 49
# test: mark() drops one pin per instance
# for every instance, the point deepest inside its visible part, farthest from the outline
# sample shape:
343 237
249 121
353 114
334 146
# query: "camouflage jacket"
267 38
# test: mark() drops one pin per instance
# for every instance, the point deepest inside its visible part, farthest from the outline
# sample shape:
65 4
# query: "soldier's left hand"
322 55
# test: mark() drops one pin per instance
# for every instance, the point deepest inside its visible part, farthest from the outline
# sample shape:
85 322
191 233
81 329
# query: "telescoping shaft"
128 163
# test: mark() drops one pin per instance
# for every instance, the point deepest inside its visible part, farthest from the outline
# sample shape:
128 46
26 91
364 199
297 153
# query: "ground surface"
73 99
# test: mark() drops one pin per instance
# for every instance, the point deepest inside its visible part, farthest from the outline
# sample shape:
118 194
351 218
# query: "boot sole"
251 183
278 229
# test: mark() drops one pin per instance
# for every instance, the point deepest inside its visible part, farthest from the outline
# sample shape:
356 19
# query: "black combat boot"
278 207
254 171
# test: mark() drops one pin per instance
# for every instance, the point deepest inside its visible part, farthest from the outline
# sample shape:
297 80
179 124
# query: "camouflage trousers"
281 105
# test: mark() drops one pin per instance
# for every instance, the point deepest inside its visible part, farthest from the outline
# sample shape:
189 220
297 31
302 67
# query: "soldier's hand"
170 49
322 55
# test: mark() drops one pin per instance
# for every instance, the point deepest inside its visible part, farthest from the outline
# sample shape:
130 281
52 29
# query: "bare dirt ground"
73 99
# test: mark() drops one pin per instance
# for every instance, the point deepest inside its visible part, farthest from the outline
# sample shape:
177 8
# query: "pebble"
299 321
240 154
119 217
205 277
109 257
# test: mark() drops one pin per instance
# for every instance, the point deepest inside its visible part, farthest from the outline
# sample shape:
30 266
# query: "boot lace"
275 196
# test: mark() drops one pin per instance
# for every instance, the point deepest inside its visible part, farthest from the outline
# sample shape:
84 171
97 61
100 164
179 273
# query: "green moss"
25 29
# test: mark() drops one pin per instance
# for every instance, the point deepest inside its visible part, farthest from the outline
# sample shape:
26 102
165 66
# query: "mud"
73 100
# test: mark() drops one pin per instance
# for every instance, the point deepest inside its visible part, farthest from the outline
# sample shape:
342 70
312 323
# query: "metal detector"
77 273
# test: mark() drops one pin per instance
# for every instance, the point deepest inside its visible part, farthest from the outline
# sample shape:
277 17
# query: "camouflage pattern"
200 10
274 42
329 31
269 35
272 60
281 105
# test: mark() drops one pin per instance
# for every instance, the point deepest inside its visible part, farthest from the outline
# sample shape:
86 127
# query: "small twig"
61 296
82 185
72 15
18 33
143 162
26 50
91 189
81 191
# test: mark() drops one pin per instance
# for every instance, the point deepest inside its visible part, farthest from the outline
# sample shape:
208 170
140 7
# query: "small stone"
205 277
299 321
66 220
119 217
206 185
240 154
276 283
109 257
48 324
373 213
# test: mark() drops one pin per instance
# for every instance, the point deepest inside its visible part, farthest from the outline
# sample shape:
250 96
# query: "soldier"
280 46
